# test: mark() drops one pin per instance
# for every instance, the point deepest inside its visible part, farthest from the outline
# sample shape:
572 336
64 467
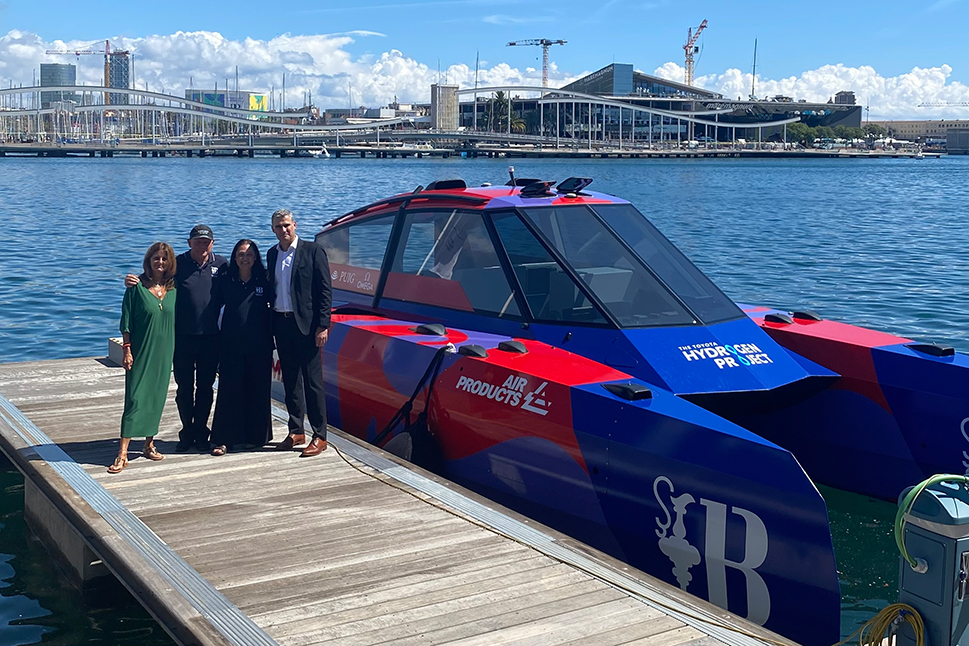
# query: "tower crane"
107 57
545 43
690 48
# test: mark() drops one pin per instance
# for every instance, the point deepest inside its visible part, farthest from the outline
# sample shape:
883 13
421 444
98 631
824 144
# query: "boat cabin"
532 253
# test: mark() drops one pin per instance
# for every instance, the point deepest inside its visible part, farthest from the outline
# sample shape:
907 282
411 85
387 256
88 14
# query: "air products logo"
511 392
726 356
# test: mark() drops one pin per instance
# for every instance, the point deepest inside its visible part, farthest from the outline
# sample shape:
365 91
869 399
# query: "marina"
441 150
352 548
234 216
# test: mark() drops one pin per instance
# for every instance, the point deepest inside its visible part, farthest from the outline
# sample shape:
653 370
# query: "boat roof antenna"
511 173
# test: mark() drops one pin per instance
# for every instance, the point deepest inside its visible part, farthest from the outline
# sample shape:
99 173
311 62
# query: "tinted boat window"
550 292
682 276
446 258
633 296
356 252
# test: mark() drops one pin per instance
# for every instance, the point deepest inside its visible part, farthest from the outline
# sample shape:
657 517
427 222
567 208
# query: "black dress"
242 411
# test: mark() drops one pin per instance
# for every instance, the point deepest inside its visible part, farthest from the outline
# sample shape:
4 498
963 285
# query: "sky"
893 54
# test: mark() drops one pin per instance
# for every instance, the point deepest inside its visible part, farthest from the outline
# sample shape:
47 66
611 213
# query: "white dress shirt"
284 277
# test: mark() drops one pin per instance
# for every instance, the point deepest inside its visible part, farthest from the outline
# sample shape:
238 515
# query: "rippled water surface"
877 243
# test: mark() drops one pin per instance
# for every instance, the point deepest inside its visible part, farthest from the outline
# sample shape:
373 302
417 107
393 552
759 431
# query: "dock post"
47 522
252 152
188 153
144 153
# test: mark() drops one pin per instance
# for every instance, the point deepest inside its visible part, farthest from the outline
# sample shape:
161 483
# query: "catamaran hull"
658 482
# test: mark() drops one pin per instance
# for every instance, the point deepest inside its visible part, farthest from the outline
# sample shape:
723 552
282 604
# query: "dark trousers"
195 362
242 410
302 368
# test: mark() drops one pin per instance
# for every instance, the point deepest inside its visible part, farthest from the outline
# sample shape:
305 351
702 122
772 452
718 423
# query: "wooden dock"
352 547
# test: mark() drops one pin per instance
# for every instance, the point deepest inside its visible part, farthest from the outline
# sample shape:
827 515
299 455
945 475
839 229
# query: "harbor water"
871 242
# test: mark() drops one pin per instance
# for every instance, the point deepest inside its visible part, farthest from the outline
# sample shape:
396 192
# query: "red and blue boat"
547 346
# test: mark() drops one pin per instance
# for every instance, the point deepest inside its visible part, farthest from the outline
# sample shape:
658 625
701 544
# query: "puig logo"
685 555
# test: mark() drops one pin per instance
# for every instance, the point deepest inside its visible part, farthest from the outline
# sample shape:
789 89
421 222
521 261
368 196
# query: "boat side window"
446 258
617 278
685 279
356 252
549 290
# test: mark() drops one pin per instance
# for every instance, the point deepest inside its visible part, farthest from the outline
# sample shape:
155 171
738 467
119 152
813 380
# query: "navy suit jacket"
310 287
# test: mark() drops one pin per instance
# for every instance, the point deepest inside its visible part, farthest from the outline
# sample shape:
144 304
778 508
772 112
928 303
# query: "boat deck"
351 547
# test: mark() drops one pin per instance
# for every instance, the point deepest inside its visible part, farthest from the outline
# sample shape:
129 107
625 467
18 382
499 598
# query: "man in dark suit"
299 280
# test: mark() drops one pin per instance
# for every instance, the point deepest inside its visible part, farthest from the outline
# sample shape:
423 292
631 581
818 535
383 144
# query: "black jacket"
310 287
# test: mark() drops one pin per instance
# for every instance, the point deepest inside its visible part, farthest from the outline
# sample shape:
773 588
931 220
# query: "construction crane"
545 43
107 59
690 48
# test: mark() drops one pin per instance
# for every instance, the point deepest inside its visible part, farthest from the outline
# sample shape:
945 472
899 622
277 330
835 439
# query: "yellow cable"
878 628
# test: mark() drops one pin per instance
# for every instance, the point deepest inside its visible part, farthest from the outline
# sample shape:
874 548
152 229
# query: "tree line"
805 134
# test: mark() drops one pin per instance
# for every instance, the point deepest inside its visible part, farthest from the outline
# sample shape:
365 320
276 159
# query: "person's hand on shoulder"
130 281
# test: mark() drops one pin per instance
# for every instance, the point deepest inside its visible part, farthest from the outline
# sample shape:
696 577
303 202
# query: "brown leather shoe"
291 442
317 446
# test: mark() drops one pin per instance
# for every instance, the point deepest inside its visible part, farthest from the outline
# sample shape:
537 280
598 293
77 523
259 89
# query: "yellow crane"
545 43
690 48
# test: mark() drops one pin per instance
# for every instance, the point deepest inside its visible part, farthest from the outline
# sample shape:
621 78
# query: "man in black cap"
196 335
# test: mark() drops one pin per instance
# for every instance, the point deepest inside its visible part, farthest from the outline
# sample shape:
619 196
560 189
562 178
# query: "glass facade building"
53 75
117 68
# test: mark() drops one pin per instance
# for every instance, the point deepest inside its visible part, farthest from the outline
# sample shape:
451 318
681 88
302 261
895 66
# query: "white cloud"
891 97
320 64
323 65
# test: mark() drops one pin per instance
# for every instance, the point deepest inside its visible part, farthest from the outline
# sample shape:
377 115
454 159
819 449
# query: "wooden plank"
328 549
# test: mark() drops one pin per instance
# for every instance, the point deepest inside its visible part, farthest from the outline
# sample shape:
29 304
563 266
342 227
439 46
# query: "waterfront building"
444 107
923 130
117 74
57 74
239 100
957 140
621 82
844 98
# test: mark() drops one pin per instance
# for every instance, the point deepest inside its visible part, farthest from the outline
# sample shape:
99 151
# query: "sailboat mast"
753 75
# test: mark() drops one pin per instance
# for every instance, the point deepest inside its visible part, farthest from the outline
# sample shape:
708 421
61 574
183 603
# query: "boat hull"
659 482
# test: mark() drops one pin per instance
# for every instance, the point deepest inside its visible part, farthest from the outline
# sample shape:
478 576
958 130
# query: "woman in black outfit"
242 415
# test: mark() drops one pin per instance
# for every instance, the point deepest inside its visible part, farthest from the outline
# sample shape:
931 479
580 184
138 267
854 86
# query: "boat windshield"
690 284
632 294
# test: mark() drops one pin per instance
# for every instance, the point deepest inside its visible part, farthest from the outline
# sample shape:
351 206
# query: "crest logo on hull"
675 544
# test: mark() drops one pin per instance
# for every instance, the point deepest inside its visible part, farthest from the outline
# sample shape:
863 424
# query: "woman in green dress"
148 327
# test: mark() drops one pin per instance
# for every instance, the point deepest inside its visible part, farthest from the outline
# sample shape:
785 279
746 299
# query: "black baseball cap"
201 231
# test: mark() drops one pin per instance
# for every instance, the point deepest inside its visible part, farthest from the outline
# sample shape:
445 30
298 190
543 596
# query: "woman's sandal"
119 464
219 450
152 454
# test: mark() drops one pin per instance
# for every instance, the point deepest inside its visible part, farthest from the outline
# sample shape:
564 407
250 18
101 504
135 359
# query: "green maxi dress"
150 322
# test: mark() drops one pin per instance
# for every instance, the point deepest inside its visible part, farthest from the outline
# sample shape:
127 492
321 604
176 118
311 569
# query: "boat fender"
473 350
431 329
934 349
777 317
513 346
629 391
807 315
